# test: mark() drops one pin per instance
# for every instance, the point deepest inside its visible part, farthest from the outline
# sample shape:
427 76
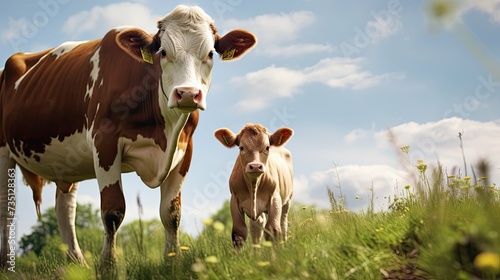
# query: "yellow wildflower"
218 226
487 262
211 259
421 166
184 248
263 264
171 254
208 221
405 149
267 243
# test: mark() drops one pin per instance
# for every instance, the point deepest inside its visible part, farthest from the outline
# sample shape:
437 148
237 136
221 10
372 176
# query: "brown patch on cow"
39 100
133 109
112 207
129 92
253 130
175 211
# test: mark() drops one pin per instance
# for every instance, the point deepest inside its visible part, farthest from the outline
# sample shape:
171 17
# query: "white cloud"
273 28
430 141
16 27
273 82
490 7
298 49
439 140
276 32
383 27
351 181
358 133
100 19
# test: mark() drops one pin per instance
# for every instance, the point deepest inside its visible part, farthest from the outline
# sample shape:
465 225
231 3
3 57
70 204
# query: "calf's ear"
234 44
226 137
280 137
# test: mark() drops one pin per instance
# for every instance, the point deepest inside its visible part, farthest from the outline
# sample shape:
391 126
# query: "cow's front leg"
273 225
107 164
66 214
170 208
284 221
112 214
240 231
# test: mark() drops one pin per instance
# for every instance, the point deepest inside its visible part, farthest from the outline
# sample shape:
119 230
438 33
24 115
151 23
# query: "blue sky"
340 73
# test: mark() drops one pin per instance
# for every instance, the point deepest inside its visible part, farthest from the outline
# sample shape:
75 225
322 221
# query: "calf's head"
254 143
184 47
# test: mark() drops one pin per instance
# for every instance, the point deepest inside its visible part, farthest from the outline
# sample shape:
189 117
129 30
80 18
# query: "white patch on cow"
68 160
107 178
65 48
148 160
94 73
18 82
178 156
187 43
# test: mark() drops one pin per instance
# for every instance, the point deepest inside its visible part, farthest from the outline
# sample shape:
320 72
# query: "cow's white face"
188 40
187 48
185 44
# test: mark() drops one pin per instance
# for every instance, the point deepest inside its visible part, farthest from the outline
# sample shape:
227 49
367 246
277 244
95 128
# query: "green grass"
433 230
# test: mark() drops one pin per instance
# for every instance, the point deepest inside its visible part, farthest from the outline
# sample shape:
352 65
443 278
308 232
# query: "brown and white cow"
95 109
261 182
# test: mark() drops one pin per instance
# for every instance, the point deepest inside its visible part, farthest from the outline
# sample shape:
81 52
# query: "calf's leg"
257 228
284 221
273 225
240 231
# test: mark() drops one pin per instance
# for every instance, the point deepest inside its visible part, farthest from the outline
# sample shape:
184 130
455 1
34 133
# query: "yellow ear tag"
228 54
146 55
225 140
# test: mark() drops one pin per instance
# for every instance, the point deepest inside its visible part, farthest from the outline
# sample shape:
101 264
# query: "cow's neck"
174 124
253 185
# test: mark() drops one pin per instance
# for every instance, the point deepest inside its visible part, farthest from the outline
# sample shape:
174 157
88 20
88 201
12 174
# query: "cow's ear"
280 137
234 44
136 43
226 137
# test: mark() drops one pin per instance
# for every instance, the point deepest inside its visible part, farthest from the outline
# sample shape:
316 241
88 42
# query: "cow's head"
254 142
184 46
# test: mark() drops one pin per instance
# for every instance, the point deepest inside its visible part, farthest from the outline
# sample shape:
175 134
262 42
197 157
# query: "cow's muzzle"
188 98
255 168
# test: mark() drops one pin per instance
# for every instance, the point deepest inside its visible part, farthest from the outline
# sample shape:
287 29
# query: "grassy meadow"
446 226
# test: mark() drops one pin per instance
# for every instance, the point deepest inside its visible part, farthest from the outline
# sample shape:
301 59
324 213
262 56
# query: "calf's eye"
267 148
241 148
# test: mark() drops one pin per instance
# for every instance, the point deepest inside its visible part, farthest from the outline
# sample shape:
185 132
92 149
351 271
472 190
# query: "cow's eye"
163 53
211 54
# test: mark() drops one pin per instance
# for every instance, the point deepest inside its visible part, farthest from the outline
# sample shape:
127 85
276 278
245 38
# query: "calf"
261 182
